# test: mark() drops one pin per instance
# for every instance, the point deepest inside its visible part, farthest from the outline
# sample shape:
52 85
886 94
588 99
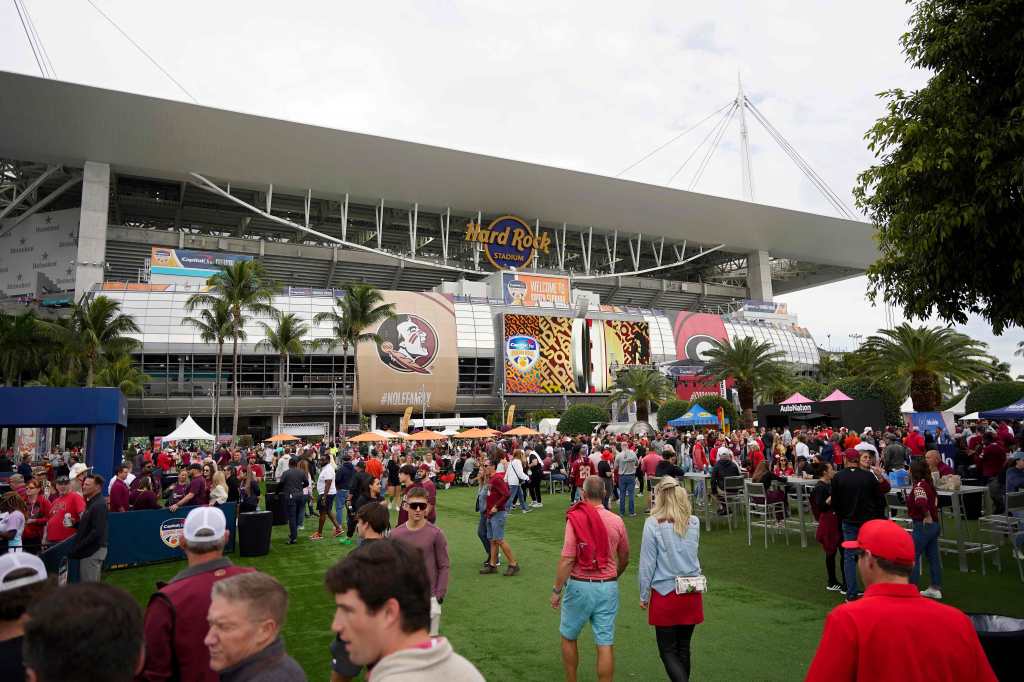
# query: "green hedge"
994 395
670 410
861 388
579 419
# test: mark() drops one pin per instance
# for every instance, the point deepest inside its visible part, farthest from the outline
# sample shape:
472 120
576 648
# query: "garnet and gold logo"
407 343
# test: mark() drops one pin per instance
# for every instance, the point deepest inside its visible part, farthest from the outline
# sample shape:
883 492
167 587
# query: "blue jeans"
481 532
516 492
339 506
296 509
926 542
627 487
850 531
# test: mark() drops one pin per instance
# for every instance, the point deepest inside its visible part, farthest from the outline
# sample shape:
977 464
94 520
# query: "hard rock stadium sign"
509 242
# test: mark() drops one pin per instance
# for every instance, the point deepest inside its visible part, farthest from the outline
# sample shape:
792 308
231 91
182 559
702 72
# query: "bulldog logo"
170 532
407 344
522 352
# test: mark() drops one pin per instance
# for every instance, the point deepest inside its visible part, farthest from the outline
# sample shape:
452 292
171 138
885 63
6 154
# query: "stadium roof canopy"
53 122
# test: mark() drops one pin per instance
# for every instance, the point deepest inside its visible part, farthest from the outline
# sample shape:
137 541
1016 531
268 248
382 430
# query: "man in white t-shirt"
801 449
282 466
325 492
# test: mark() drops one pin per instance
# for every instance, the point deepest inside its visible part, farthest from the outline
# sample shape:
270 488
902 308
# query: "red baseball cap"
885 540
852 455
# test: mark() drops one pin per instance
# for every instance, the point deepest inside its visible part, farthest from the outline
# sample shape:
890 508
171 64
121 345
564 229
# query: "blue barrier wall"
152 535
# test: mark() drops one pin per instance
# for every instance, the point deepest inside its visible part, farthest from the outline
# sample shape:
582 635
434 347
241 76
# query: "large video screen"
544 354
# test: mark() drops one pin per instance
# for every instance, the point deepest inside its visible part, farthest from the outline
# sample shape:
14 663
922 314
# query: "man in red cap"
858 495
894 631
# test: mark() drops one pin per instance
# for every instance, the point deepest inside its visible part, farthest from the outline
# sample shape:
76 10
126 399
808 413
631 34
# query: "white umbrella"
188 430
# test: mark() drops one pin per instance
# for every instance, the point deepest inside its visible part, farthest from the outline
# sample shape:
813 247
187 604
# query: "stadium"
513 283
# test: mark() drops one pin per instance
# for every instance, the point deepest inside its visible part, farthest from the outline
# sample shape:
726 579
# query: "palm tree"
286 338
55 377
360 307
1020 349
918 359
21 346
246 289
749 363
215 326
121 372
96 329
640 386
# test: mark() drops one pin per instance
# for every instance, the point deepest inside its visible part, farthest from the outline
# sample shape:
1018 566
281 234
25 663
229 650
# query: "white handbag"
685 584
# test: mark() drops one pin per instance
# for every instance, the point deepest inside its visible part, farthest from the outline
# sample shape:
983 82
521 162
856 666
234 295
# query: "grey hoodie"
438 662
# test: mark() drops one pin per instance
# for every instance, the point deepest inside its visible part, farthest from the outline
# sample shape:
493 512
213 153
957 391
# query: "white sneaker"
932 593
1018 554
539 505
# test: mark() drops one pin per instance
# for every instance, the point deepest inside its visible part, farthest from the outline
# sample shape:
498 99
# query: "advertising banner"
567 355
144 537
695 333
189 263
416 360
36 255
520 289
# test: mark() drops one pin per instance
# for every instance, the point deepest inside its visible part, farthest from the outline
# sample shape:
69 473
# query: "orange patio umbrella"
368 437
522 431
427 435
473 433
281 438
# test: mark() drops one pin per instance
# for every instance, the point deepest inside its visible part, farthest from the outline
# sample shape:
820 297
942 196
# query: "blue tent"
1014 411
695 416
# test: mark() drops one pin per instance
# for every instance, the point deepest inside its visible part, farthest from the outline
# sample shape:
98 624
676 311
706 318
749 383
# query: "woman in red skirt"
669 550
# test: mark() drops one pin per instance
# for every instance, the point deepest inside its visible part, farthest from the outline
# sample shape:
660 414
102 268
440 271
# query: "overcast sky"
590 85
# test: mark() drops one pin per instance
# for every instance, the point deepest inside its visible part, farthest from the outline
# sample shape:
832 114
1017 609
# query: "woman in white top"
516 478
219 489
669 550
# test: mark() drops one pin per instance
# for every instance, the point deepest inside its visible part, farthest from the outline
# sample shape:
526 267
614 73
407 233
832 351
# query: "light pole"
334 412
856 340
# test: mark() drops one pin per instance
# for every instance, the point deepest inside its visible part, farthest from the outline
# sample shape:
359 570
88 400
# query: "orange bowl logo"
170 532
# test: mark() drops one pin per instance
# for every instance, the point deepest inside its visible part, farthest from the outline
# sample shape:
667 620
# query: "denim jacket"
664 554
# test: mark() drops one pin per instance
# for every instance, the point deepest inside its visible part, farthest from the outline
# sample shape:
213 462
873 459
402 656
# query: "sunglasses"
417 506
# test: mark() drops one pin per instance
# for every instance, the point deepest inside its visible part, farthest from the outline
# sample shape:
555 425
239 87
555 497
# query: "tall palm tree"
749 363
22 346
121 372
641 386
286 338
215 326
1020 349
360 307
246 289
918 359
96 329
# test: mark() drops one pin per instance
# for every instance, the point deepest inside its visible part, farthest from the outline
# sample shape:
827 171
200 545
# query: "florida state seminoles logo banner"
416 359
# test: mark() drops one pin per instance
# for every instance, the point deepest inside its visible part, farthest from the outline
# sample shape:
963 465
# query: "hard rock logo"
508 241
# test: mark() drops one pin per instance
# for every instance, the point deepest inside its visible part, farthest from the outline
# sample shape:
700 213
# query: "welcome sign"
509 242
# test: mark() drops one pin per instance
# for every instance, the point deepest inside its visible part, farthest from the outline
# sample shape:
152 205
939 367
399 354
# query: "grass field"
763 614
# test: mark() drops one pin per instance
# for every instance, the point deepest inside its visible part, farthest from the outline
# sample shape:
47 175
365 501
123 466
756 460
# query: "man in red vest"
175 625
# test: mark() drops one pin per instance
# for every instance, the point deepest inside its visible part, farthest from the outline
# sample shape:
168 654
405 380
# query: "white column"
759 275
92 227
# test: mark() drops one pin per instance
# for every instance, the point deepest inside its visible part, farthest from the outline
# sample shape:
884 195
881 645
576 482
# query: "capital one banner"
416 359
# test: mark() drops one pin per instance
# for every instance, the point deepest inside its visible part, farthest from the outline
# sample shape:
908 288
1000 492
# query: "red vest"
176 625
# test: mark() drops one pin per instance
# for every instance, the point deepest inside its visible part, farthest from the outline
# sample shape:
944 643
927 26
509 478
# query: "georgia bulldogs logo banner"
415 359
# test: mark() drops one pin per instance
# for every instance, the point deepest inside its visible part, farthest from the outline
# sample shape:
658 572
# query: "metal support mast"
748 174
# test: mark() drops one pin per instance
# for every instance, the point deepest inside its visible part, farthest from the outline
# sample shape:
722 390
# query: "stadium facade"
514 283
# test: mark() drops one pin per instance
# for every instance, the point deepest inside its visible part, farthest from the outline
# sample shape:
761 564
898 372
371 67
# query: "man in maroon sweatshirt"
498 495
120 494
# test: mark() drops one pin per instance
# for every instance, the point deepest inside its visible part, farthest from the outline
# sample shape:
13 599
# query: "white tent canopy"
972 417
960 407
187 430
908 406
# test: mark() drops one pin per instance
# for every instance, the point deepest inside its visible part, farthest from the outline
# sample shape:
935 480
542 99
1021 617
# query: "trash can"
1002 638
254 533
275 505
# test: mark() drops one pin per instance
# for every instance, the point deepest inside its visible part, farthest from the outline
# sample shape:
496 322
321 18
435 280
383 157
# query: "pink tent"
836 395
796 399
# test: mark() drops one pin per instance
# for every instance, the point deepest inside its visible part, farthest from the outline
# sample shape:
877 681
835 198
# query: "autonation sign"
795 408
509 242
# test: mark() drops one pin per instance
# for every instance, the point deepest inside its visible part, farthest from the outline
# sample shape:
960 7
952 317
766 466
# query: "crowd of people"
216 620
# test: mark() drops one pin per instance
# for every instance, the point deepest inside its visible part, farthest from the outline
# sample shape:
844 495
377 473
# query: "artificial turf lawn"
763 613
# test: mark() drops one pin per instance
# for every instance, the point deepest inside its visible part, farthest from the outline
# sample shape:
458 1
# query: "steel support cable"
696 149
711 150
28 36
144 53
673 139
801 163
39 41
805 167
